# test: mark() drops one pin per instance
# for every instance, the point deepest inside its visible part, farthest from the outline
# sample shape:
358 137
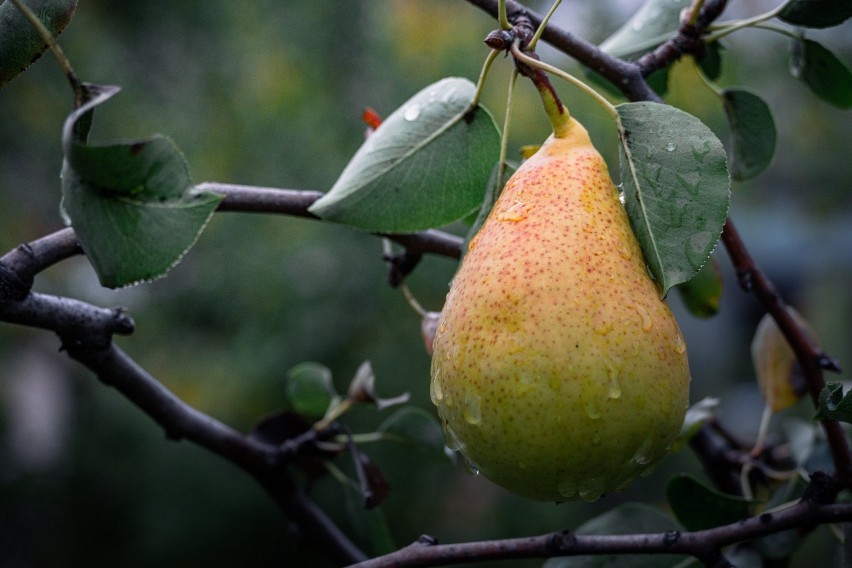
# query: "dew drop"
646 317
680 346
567 488
515 213
436 393
670 147
593 411
643 454
452 441
603 327
412 113
614 390
472 410
470 466
591 489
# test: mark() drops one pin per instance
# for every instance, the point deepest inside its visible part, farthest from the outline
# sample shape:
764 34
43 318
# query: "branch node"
401 265
561 541
670 538
829 363
12 286
746 280
822 490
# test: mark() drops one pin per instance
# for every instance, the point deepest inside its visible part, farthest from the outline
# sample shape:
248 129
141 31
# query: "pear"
558 371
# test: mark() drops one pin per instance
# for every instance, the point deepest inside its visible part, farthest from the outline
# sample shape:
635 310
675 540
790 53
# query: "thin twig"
810 357
625 76
245 198
814 508
181 421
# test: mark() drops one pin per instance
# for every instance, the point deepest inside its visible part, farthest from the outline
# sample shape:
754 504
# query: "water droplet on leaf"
670 147
412 113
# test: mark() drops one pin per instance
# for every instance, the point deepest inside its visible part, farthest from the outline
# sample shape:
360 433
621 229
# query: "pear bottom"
556 435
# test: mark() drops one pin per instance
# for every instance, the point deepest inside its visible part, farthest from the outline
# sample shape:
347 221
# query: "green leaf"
425 166
310 389
702 294
699 507
629 518
834 405
676 188
711 63
752 133
696 416
816 13
826 75
20 43
416 426
652 24
132 204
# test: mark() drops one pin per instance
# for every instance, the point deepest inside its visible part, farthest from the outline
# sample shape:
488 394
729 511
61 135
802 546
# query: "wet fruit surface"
557 368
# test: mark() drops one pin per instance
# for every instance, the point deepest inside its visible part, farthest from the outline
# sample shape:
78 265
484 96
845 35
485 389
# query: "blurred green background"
271 93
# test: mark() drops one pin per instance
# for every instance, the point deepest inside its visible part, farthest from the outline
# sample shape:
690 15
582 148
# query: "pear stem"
598 98
502 16
695 11
543 25
557 112
722 29
504 142
489 59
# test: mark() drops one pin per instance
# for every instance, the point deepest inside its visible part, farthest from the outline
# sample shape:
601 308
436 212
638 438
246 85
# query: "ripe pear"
558 371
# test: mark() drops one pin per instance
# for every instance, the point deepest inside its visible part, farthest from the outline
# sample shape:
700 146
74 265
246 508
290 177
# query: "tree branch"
181 421
246 198
814 508
624 75
811 358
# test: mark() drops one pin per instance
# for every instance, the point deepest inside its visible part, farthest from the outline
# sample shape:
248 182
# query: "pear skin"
558 371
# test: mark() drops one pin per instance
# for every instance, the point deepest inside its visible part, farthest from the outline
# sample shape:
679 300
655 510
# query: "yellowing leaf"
778 373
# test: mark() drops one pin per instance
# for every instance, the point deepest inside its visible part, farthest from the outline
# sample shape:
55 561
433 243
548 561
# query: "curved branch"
181 421
246 198
624 75
705 545
19 266
811 358
88 323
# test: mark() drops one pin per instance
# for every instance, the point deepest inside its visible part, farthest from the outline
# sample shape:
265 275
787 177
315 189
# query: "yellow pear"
558 371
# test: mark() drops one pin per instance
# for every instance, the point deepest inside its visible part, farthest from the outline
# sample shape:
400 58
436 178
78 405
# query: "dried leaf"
778 373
